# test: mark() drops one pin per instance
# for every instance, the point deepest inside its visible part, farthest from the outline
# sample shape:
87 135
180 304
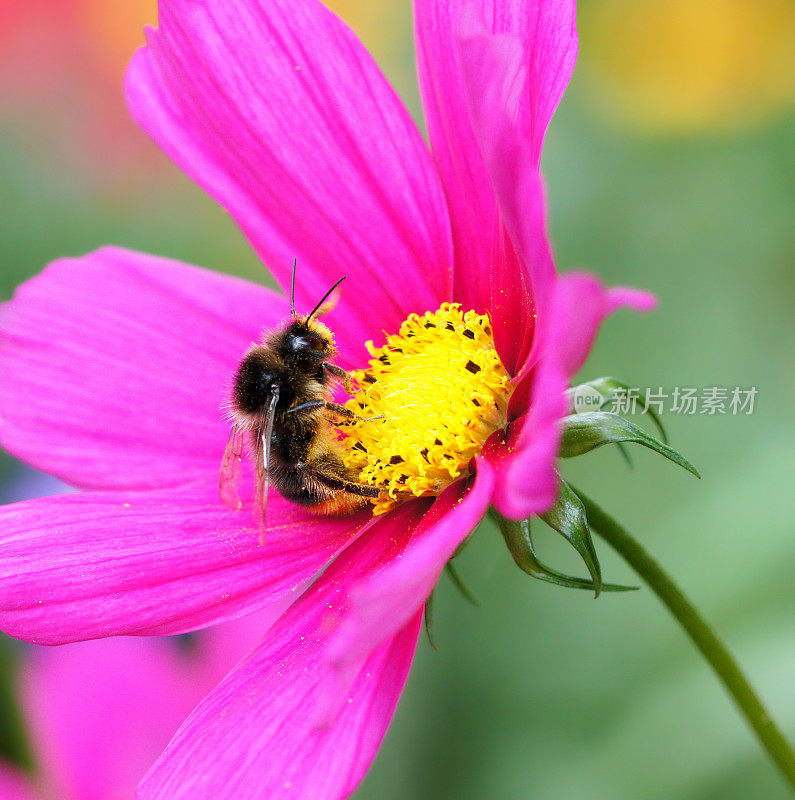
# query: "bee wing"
264 456
230 467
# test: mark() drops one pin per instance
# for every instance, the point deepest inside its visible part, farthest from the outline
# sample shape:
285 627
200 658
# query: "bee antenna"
292 288
324 298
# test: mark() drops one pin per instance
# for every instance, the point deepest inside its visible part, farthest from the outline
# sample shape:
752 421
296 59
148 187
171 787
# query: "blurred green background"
670 166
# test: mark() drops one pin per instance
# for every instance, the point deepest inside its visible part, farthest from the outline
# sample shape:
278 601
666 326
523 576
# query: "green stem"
715 652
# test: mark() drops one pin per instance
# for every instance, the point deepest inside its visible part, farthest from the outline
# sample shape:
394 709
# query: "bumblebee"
281 406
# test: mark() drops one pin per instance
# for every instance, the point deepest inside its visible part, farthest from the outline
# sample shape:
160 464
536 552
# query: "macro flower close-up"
278 112
356 455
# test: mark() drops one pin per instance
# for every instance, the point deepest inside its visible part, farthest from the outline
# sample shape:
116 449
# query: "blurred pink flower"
115 365
87 36
61 71
99 713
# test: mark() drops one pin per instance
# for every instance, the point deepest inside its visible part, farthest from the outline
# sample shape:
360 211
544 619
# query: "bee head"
306 343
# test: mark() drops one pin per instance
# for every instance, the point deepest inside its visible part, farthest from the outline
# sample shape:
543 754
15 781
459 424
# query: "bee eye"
308 342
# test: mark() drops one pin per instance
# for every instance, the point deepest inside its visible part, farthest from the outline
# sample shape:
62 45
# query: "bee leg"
339 372
344 412
359 489
311 405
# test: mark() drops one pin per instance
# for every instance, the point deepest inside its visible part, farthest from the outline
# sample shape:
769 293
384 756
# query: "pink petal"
15 785
280 114
522 279
256 736
626 297
582 303
527 480
99 713
219 648
114 367
387 599
92 565
495 80
546 38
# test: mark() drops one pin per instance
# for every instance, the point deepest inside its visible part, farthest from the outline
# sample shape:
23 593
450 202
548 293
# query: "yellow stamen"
442 390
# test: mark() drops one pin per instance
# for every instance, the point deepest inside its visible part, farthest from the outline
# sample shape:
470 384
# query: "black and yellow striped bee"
281 407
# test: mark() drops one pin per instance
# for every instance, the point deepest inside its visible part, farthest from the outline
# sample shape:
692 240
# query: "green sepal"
607 388
459 584
520 545
427 618
585 432
567 517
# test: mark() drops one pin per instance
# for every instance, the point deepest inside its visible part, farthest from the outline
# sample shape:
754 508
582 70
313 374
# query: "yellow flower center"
442 391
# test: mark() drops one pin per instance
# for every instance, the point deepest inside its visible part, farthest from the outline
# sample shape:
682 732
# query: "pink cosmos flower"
114 366
98 713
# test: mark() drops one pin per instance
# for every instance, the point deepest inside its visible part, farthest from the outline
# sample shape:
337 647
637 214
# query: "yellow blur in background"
690 65
116 27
